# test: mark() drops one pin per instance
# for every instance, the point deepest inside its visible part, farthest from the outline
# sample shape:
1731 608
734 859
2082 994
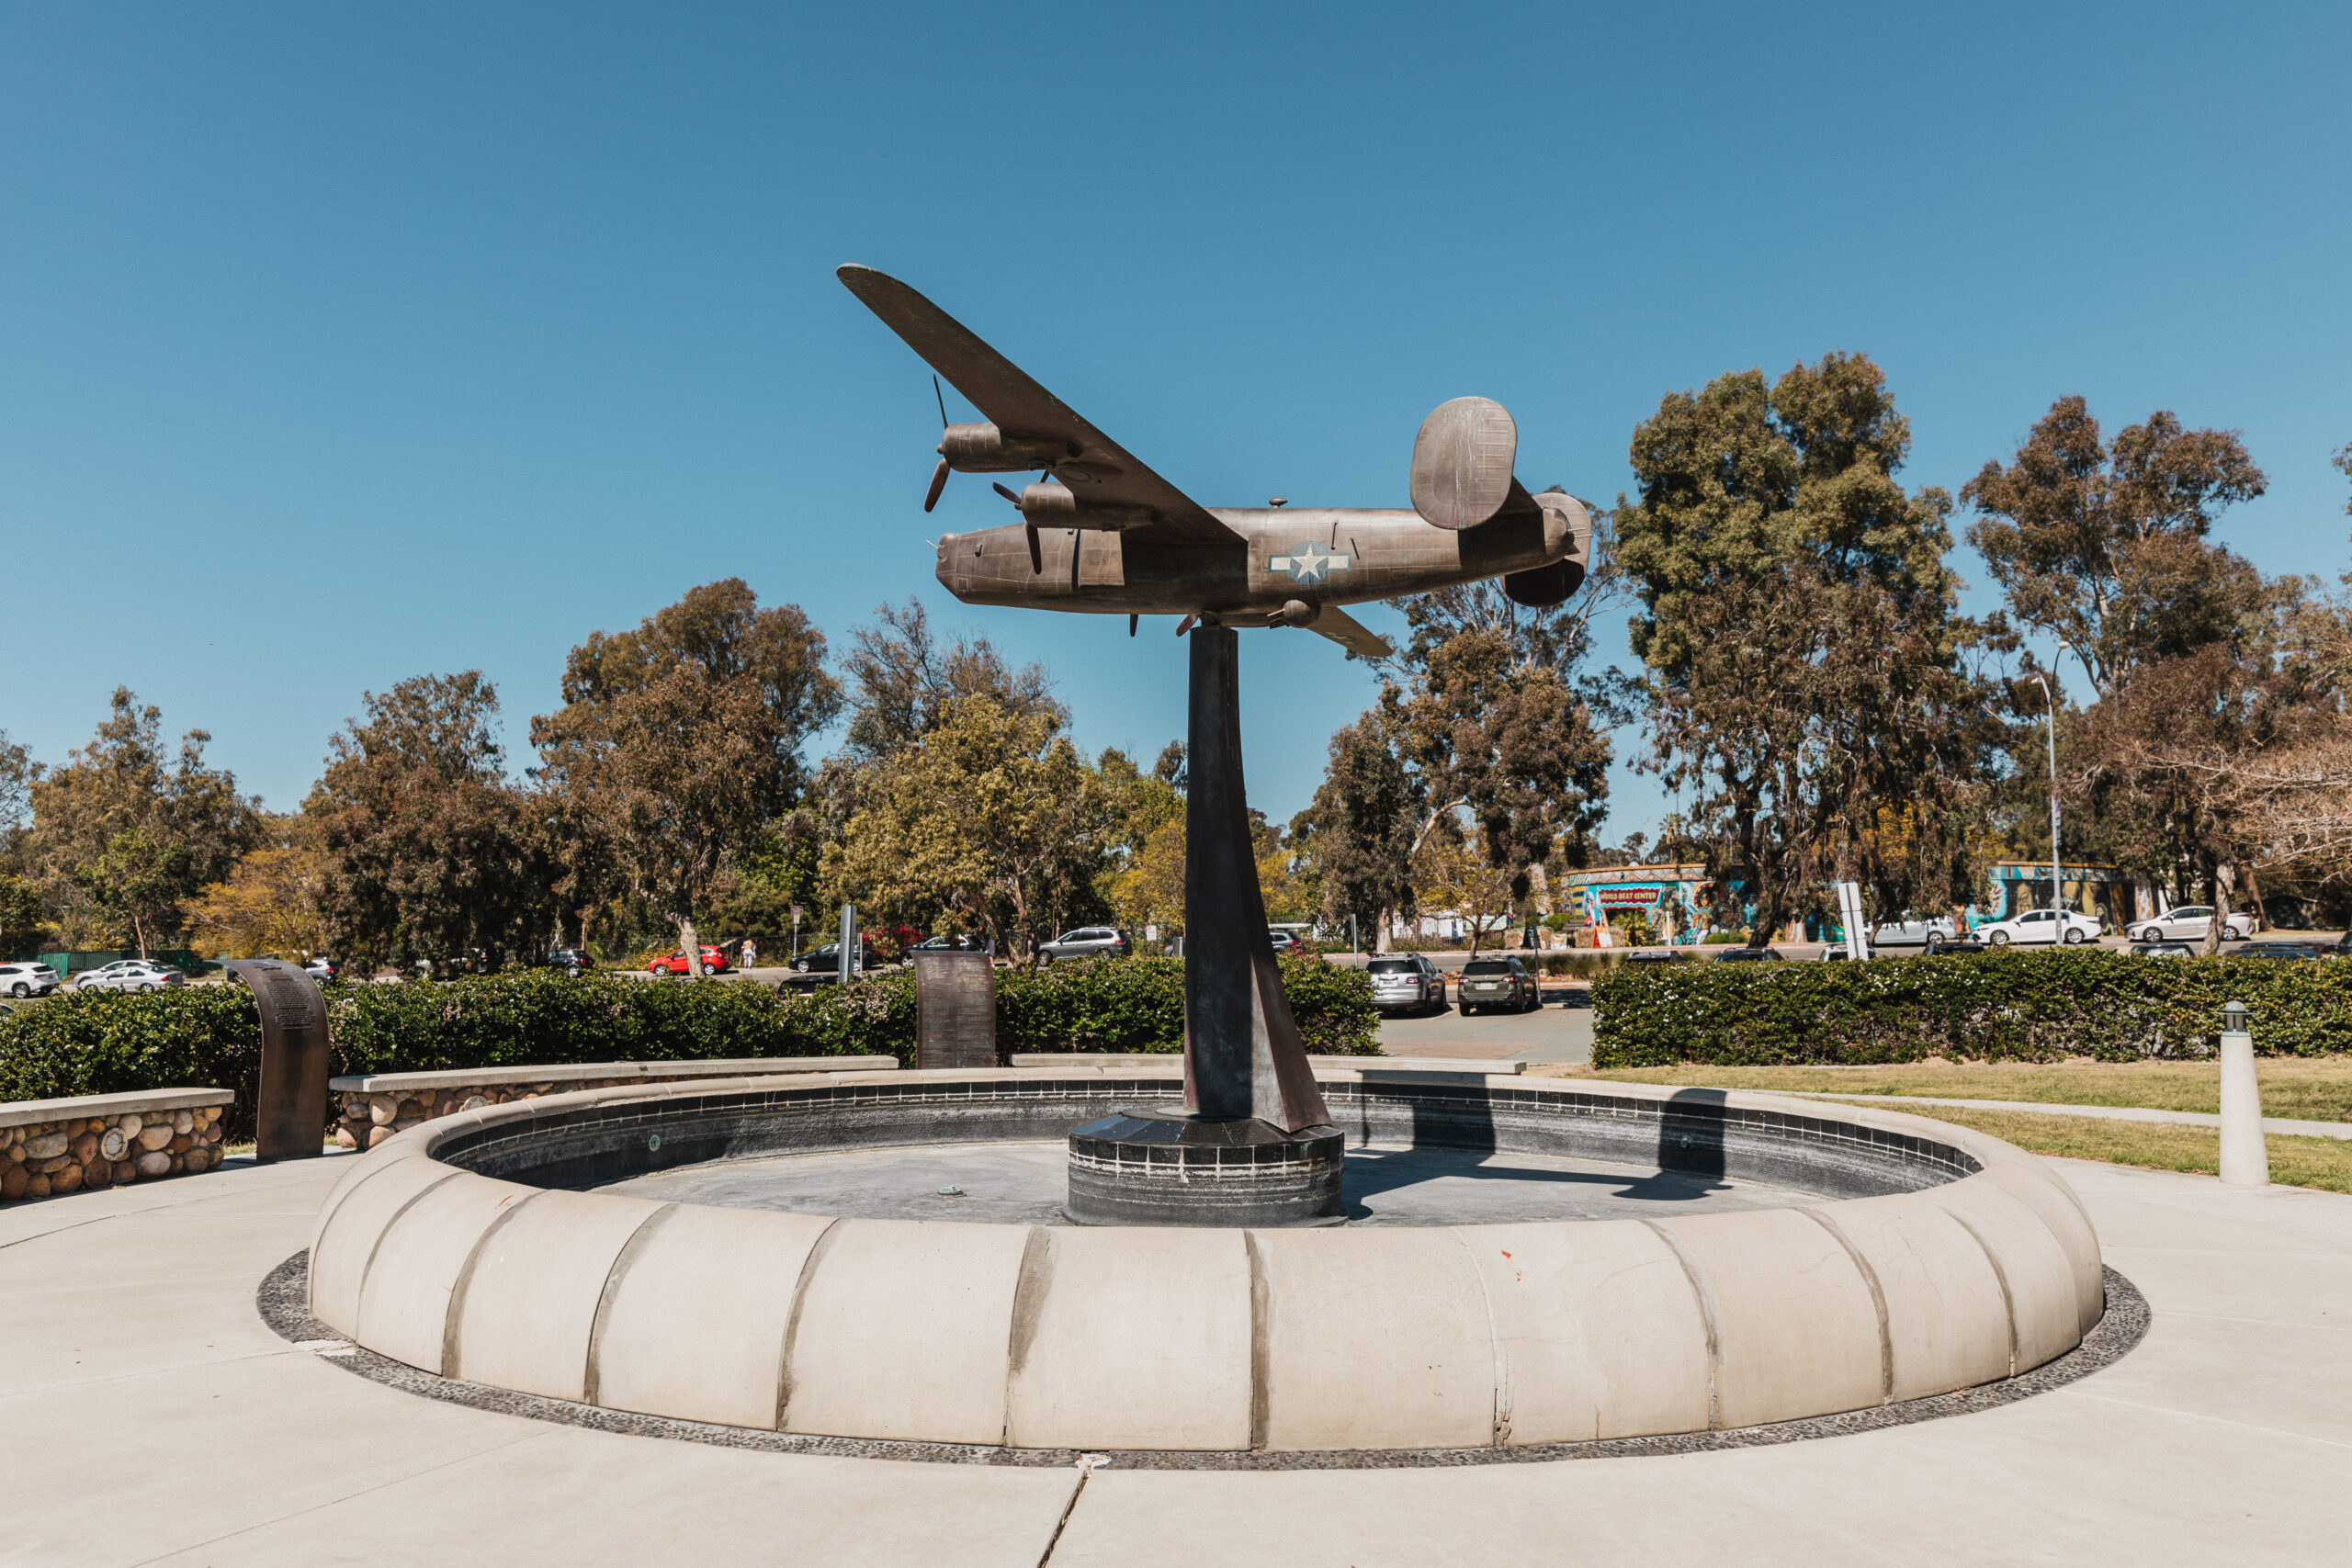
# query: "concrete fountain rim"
2035 1286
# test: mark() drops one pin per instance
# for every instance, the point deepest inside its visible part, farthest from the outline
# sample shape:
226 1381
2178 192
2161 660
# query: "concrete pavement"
153 1418
1560 1030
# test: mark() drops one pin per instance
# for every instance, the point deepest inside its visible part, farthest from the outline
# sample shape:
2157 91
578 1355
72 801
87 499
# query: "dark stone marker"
1252 1144
955 1011
290 1117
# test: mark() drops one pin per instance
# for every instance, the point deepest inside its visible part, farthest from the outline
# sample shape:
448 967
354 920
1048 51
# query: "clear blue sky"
343 344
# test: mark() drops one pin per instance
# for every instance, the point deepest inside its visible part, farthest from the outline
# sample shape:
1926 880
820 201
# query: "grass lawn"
2294 1162
2302 1090
2307 1091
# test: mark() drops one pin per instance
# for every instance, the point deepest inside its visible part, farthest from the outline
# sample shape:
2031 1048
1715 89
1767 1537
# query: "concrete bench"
54 1146
376 1105
1175 1062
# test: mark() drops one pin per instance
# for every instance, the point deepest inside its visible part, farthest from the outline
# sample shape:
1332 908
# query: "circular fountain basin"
1023 1184
1534 1262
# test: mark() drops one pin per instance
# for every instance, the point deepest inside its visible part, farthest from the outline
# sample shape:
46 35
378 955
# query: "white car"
129 975
1931 931
27 979
2189 923
2069 926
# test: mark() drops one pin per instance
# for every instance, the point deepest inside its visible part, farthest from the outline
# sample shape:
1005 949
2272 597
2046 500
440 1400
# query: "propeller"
939 474
1036 551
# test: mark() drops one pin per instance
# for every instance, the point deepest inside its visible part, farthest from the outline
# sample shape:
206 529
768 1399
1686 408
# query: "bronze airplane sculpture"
1102 533
1254 1143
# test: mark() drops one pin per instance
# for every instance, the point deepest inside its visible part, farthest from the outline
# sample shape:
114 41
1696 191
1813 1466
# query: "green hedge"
1137 1004
108 1041
118 1042
2020 1006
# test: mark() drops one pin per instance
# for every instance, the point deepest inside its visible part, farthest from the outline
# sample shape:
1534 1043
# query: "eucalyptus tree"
1808 678
681 742
429 851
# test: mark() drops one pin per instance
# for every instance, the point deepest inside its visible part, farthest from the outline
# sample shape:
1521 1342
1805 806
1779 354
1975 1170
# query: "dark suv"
572 961
1498 982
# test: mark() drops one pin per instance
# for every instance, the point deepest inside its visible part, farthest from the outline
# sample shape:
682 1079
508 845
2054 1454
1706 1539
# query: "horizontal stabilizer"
1348 633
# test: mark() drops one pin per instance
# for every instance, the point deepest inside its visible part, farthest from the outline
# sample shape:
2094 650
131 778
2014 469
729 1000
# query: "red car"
714 961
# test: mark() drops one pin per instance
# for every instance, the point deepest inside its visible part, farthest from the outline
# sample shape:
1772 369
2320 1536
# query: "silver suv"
27 979
1407 980
1087 941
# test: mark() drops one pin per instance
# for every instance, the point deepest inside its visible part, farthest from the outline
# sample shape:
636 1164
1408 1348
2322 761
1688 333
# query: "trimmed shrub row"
1137 1004
108 1041
2019 1005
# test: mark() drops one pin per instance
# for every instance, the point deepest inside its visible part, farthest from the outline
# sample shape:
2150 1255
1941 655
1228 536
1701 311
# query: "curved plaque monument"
1101 534
290 1114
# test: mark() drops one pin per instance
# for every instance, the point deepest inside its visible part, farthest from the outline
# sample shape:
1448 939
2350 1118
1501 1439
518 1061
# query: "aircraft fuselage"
1313 554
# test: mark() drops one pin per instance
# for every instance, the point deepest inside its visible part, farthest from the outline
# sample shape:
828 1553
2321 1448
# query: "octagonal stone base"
1166 1167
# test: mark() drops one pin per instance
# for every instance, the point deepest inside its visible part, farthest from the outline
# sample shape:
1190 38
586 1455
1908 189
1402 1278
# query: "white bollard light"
2245 1161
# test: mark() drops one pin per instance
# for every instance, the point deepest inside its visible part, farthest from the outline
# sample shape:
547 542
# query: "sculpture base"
1163 1166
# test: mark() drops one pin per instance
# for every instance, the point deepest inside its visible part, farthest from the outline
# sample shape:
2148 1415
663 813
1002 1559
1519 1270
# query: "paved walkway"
2277 1124
1553 1033
152 1418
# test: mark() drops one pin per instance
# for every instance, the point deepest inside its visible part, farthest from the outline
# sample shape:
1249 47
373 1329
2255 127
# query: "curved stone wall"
1937 1258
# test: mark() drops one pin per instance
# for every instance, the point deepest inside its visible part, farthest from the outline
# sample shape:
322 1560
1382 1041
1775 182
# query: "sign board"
1636 897
1849 914
954 1009
290 1112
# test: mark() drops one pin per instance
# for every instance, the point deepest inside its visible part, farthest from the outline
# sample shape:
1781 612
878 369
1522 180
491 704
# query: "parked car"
1747 955
320 969
1498 982
967 942
573 961
1929 932
827 960
2071 927
2286 950
2189 923
2163 950
129 975
1967 943
1087 941
27 979
714 961
1407 981
1285 941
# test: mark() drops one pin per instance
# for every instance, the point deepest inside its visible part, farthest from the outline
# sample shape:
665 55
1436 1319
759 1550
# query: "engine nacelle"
1051 505
985 449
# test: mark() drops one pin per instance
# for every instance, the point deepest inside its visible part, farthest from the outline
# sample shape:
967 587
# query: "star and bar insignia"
1308 563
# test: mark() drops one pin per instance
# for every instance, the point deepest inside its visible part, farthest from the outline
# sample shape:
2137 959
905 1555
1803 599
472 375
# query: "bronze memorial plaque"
955 1011
290 1112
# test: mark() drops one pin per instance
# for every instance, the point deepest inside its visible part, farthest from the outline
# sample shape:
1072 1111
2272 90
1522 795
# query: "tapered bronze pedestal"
1252 1143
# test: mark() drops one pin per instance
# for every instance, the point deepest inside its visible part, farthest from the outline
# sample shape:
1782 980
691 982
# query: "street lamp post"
2050 709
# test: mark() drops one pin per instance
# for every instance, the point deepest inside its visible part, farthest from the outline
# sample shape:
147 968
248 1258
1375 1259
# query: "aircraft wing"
1350 633
1017 405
